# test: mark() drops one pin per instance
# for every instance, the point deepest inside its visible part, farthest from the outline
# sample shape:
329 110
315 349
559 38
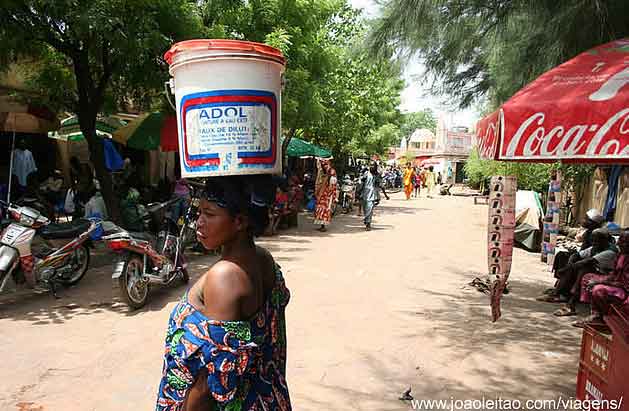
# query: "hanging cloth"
113 160
612 192
23 165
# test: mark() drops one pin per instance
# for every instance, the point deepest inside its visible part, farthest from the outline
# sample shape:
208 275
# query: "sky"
416 96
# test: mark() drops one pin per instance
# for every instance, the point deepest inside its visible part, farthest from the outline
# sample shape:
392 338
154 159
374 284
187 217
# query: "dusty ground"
371 314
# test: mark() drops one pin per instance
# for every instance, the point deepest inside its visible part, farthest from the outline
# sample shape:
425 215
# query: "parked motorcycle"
347 194
154 256
59 256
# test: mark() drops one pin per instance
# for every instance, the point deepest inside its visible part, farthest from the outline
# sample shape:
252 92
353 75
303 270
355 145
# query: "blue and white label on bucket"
228 131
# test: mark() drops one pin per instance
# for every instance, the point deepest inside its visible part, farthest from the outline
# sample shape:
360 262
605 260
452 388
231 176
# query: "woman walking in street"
226 338
430 181
408 178
417 182
325 193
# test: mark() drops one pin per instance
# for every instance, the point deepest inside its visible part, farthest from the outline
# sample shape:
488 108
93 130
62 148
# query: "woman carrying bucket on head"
225 346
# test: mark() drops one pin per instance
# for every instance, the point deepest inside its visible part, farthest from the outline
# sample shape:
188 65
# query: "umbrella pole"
11 169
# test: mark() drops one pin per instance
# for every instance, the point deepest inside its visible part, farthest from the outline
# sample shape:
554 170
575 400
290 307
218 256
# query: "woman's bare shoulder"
225 284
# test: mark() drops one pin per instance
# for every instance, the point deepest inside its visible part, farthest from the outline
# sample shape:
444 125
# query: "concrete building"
446 151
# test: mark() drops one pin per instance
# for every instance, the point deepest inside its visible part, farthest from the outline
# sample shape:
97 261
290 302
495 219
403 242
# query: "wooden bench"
481 200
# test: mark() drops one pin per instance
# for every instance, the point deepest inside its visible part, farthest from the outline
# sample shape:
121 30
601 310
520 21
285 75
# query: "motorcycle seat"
65 230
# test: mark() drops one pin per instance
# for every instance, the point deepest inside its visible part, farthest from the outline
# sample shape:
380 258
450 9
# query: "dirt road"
371 314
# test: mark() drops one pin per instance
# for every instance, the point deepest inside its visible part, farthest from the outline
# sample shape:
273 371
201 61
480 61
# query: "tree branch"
108 69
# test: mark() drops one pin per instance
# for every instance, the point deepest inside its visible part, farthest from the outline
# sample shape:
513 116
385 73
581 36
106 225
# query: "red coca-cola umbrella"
576 112
487 137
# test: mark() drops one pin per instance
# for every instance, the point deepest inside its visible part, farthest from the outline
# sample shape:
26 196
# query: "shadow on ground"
460 325
97 292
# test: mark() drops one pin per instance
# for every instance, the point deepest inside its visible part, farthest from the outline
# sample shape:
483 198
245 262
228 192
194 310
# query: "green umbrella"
71 131
300 148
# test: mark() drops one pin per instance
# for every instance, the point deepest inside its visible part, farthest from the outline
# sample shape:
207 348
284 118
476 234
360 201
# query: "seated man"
593 220
604 290
131 210
599 258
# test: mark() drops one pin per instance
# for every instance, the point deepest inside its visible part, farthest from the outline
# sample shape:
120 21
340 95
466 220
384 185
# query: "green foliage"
378 141
335 95
361 97
530 176
94 55
105 55
98 51
490 49
420 119
305 31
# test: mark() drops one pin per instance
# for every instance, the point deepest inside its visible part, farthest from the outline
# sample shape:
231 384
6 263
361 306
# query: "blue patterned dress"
245 360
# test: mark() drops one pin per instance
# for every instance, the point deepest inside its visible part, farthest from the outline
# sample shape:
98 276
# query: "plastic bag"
68 204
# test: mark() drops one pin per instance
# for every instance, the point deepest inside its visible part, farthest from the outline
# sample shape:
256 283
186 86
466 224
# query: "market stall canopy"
430 162
487 136
528 214
71 131
576 112
25 118
300 148
149 132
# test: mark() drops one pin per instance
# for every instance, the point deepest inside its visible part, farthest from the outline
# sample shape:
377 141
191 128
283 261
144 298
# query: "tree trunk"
87 122
90 102
285 144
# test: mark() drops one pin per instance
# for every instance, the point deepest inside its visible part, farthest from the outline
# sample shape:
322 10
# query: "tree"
486 51
530 176
95 54
307 32
362 96
335 94
376 142
417 120
490 49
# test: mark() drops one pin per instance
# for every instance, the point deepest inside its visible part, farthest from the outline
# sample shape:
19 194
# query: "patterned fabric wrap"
245 360
327 196
620 277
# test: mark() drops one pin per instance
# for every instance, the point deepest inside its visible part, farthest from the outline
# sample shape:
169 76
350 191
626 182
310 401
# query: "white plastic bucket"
228 100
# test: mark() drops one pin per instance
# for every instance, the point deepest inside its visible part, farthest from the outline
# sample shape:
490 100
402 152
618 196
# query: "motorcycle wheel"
82 261
133 290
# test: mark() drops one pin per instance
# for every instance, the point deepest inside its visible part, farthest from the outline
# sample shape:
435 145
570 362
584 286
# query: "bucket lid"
226 45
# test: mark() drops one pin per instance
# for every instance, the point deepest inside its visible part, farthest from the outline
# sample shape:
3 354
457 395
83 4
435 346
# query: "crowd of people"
416 178
323 194
51 193
596 274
